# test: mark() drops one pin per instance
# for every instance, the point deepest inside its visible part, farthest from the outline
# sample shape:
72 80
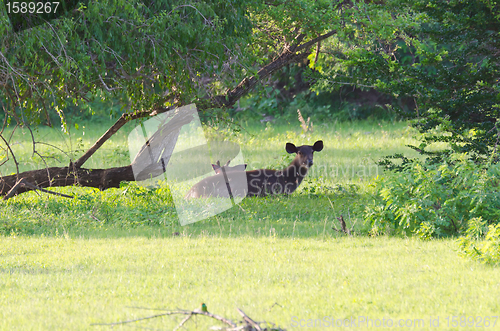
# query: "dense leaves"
436 200
443 56
481 242
147 54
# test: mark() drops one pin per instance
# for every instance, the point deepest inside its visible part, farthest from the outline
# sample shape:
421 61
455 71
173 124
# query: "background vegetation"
404 94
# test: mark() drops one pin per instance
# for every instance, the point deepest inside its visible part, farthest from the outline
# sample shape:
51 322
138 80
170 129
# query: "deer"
260 182
218 169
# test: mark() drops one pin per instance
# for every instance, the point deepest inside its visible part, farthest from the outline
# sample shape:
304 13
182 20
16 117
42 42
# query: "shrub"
436 200
481 242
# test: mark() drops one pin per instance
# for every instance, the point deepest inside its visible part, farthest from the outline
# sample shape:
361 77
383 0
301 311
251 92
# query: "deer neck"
295 172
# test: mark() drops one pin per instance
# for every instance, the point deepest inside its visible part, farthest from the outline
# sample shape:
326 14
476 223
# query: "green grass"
67 263
68 283
342 173
346 144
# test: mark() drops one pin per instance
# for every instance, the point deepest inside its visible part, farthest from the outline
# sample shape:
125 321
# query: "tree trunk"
55 176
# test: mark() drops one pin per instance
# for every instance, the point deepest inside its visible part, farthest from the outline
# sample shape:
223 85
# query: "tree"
443 55
153 55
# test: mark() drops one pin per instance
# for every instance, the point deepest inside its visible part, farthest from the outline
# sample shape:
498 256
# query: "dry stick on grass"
183 322
177 312
23 182
249 321
343 225
250 324
275 304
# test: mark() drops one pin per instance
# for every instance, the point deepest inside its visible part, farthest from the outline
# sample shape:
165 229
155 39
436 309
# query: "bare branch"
177 312
248 320
316 56
22 182
124 119
316 40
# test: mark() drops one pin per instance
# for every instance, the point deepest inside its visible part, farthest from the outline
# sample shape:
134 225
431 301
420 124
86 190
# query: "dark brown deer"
259 182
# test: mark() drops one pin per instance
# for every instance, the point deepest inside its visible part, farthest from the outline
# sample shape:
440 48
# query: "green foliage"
441 55
264 102
330 106
147 54
320 107
137 207
481 242
96 110
436 200
141 54
283 20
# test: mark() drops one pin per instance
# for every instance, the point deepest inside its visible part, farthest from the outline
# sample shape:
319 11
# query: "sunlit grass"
67 284
54 148
68 263
346 144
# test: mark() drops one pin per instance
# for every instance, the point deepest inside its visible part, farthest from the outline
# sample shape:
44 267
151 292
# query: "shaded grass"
137 210
65 283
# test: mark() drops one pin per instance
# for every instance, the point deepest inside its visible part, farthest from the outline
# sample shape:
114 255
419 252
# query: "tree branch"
316 40
66 176
106 178
124 119
289 55
180 312
22 183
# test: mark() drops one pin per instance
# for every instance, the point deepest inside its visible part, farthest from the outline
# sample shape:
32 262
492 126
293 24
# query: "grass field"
68 284
68 263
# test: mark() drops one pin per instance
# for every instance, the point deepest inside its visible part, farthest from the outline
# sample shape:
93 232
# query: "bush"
481 242
436 200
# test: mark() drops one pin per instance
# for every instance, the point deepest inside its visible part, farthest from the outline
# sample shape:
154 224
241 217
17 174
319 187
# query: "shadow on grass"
151 213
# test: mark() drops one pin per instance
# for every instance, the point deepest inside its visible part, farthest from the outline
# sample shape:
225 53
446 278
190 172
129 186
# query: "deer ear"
290 148
318 146
216 166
